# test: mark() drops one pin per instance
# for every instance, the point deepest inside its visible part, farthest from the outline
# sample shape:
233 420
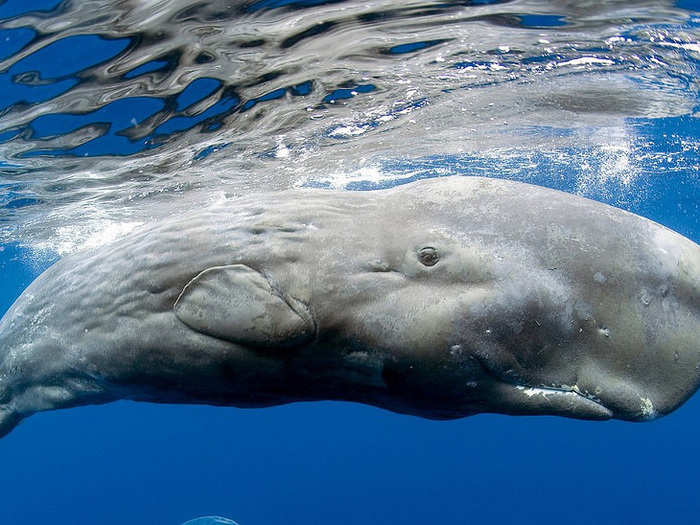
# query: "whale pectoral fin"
9 419
238 304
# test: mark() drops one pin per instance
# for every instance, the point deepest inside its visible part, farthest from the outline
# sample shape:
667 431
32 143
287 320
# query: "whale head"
508 298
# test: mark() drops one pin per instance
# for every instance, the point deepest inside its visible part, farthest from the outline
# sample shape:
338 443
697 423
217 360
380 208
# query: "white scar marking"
647 408
534 391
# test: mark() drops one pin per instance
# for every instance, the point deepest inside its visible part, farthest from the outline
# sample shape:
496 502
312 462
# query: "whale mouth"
523 399
561 401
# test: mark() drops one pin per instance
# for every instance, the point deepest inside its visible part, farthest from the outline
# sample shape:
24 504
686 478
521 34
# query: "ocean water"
116 113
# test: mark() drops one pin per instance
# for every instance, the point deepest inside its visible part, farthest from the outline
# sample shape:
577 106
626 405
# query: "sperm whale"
441 298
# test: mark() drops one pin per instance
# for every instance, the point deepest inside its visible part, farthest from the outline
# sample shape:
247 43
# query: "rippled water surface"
116 112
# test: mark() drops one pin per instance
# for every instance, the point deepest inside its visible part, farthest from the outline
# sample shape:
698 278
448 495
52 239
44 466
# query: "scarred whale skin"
441 298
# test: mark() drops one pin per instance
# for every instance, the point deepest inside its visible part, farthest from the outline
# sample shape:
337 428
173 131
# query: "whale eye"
428 256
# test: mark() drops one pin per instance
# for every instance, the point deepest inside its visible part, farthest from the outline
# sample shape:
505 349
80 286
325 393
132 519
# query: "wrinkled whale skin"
442 298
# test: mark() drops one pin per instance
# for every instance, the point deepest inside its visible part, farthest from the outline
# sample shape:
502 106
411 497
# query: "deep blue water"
327 462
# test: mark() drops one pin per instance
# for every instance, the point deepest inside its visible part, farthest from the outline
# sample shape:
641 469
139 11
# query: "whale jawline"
566 401
569 402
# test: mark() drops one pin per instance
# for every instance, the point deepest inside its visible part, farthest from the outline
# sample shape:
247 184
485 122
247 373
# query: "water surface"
115 111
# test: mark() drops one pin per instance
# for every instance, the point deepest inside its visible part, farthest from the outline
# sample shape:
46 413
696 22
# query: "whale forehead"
504 218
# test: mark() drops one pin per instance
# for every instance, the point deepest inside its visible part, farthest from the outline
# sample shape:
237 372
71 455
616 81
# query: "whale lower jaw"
522 399
568 402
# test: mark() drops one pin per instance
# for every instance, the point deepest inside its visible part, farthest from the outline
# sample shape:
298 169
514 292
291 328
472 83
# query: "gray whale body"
442 298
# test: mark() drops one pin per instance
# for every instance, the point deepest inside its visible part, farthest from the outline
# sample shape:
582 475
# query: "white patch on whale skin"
574 390
647 409
530 391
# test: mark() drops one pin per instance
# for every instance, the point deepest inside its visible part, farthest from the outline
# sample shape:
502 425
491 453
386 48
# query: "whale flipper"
9 419
238 304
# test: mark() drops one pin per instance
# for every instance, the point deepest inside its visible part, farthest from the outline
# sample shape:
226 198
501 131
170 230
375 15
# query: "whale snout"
611 337
646 361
